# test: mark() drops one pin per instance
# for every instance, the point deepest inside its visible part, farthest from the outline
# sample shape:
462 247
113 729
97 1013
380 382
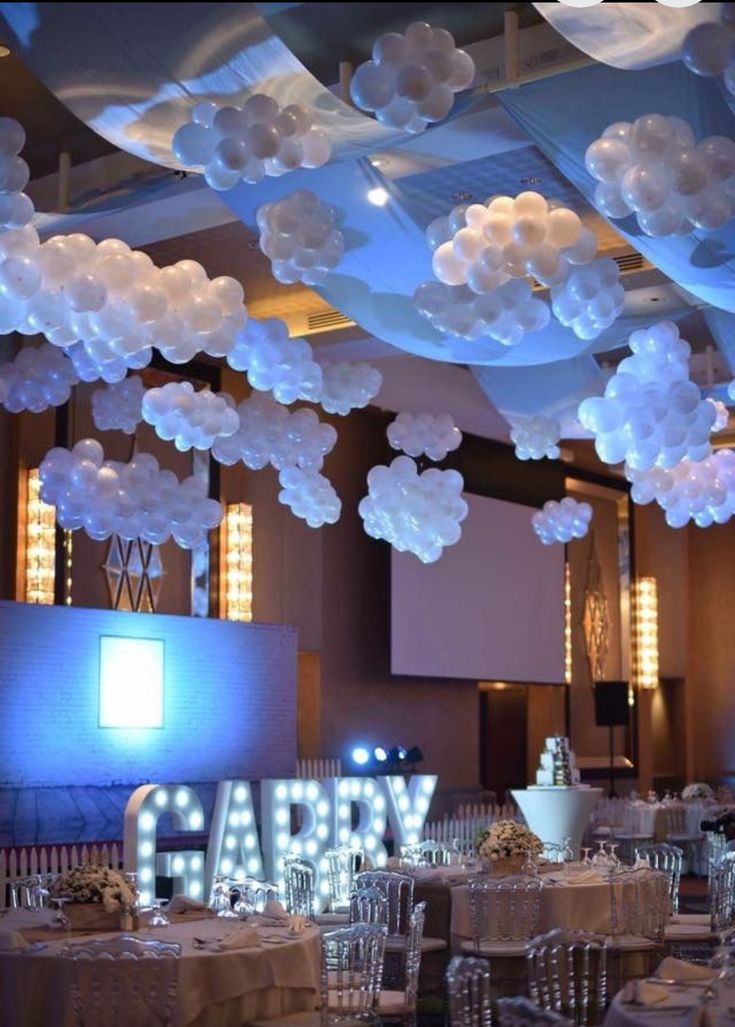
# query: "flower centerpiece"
697 790
506 845
98 896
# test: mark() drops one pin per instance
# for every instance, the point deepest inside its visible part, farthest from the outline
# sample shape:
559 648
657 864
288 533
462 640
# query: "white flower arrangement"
96 884
505 839
697 790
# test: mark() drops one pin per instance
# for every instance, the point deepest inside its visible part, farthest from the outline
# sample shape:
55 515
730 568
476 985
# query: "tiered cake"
557 764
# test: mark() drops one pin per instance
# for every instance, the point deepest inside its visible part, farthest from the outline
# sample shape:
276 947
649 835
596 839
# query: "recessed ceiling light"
379 162
5 51
378 196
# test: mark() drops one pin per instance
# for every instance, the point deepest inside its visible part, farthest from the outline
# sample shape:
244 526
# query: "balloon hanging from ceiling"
709 49
412 77
591 299
654 168
276 363
701 491
431 435
348 386
192 420
309 495
37 378
234 144
299 235
535 437
119 407
651 414
561 522
133 500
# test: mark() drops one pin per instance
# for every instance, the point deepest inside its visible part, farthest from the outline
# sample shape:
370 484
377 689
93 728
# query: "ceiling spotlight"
380 754
401 753
414 755
378 196
360 755
5 50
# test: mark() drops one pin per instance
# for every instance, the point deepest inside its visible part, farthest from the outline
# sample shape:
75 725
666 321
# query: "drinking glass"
586 855
157 917
220 901
244 899
601 859
612 848
59 922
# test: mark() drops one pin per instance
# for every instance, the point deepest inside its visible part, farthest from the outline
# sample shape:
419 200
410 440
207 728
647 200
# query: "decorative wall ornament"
412 78
655 169
39 558
134 573
237 549
645 633
596 617
234 144
562 521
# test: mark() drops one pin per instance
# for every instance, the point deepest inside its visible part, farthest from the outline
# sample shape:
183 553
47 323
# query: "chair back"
413 954
468 992
398 890
505 908
107 996
521 1012
567 974
343 863
640 904
667 858
722 893
368 906
252 895
298 877
352 971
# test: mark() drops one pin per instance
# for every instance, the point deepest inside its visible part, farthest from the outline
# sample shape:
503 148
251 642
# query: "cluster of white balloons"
563 521
310 496
348 386
701 491
653 167
504 315
722 415
535 437
709 48
484 245
590 299
651 413
412 78
193 420
299 236
113 370
276 363
119 407
415 513
133 500
37 377
269 433
16 209
431 435
233 144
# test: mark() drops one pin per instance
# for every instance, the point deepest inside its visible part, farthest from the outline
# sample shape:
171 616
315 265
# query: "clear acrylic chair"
401 1005
640 911
468 992
343 863
667 858
567 974
108 995
369 906
504 914
298 876
679 833
351 975
398 891
702 929
521 1012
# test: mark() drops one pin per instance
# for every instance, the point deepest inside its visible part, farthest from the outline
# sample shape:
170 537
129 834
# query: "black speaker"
611 703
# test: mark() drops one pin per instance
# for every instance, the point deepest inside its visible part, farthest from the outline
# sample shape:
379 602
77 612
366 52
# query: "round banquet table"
576 905
676 1011
215 988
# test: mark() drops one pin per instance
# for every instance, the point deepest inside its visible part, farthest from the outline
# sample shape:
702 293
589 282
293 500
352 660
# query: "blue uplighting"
131 682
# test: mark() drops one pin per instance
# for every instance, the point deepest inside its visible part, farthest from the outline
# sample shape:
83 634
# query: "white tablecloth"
677 1011
216 989
564 903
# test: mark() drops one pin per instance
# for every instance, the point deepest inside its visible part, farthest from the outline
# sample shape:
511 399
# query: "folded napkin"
274 910
12 941
297 923
184 904
671 969
241 938
644 993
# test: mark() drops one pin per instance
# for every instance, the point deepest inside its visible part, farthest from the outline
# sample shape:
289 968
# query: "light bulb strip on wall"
645 634
238 562
40 544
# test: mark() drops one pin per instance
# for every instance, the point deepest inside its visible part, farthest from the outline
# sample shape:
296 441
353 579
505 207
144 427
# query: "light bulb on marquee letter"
368 835
233 848
408 806
145 806
310 842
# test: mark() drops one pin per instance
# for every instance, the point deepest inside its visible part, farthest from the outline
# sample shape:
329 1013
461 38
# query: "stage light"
414 755
360 755
131 682
380 754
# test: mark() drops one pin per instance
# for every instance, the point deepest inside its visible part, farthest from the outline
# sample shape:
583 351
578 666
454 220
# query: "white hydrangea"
119 406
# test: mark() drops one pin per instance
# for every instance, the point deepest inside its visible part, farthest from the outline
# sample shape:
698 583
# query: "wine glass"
586 855
157 917
244 899
612 849
59 922
221 899
601 859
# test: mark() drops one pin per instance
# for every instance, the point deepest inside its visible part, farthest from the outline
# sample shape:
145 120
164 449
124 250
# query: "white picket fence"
467 821
319 769
19 863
